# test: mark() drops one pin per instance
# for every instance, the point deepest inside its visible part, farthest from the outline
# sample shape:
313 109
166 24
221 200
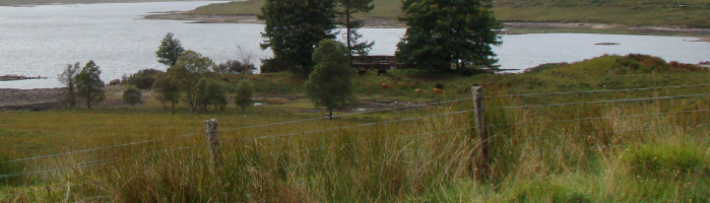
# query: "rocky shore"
33 99
19 77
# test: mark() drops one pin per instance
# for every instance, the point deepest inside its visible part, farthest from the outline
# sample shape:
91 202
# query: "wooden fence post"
213 142
482 161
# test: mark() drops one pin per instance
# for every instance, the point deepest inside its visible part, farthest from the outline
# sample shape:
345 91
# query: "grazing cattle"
361 71
114 82
385 86
418 90
439 86
467 73
381 71
437 90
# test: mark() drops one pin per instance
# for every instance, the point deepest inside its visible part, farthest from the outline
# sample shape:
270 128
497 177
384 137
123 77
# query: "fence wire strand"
601 101
350 114
595 91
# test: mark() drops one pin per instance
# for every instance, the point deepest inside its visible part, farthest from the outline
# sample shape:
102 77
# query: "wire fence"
530 122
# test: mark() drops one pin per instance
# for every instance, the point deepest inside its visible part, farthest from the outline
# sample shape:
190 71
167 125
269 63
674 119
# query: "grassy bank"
646 145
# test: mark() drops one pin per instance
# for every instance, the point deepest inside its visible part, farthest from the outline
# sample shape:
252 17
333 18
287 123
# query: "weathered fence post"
213 142
482 161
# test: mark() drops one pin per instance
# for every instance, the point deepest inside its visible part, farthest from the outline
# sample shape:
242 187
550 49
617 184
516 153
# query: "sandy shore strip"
180 15
385 23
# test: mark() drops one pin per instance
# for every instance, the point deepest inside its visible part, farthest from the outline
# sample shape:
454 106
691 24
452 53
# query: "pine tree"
442 32
169 50
89 85
294 27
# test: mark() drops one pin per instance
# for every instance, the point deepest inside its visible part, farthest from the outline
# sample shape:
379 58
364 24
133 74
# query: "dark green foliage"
330 83
233 67
294 27
132 95
143 79
167 89
346 9
169 51
442 32
67 78
211 92
89 85
274 65
187 72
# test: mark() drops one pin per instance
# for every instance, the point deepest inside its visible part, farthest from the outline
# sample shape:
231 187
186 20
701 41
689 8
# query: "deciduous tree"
167 89
89 85
330 83
294 27
190 67
169 50
442 32
211 91
68 78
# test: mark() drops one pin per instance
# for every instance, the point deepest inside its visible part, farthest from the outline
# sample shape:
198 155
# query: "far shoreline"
510 28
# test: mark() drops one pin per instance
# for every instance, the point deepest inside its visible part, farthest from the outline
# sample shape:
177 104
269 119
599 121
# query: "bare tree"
68 78
247 58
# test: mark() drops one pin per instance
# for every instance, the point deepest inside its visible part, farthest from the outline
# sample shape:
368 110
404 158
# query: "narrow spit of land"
519 17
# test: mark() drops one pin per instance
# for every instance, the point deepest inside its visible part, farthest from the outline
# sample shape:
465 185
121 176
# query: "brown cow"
361 71
418 90
437 90
385 86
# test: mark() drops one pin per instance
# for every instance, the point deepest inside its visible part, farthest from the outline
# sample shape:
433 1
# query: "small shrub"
245 90
132 95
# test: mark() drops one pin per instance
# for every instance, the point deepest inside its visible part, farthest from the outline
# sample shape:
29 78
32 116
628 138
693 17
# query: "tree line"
301 35
439 32
190 78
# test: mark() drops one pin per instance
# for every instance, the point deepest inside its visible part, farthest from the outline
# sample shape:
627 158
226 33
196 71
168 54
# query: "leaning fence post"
213 142
482 161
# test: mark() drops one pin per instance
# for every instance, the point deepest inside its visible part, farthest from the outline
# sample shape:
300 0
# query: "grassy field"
694 13
652 149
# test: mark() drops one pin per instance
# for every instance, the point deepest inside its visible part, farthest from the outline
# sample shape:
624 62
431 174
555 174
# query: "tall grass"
544 148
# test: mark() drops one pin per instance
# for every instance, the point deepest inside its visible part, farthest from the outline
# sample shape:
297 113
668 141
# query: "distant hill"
693 13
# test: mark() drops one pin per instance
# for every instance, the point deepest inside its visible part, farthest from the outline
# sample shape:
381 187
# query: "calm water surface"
42 40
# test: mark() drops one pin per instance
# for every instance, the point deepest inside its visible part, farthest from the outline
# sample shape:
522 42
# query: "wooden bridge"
378 62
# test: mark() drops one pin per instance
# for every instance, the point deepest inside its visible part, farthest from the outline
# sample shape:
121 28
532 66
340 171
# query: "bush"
234 67
132 95
143 79
245 90
274 66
